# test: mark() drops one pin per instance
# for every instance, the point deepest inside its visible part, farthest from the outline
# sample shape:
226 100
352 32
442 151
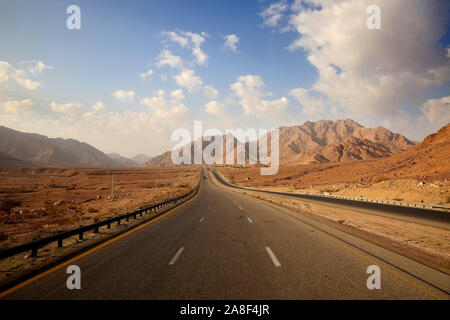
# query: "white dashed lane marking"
273 257
176 256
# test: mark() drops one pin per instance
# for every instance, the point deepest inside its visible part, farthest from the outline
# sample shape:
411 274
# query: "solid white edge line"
175 257
250 220
273 257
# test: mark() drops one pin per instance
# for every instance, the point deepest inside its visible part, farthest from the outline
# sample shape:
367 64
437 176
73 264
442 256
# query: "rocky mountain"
341 140
7 161
30 149
141 158
122 161
428 159
325 141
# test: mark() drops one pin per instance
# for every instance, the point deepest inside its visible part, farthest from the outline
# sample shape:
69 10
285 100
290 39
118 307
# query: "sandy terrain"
355 178
48 200
409 190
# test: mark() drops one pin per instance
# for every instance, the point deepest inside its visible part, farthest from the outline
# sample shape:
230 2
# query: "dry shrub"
92 210
68 219
7 205
379 179
3 236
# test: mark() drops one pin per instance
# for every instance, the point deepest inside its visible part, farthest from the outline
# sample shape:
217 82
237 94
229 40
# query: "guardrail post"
80 236
96 230
60 243
118 221
128 218
109 225
134 216
34 252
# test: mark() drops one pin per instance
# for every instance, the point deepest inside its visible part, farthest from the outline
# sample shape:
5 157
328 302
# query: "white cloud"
310 104
163 108
177 38
99 106
437 111
215 108
210 92
147 74
200 56
250 91
274 13
191 40
166 58
189 80
26 83
193 83
5 70
37 67
69 109
18 106
231 41
373 72
160 93
23 77
177 94
122 95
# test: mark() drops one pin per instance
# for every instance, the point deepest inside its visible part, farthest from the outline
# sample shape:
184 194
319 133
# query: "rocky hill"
322 142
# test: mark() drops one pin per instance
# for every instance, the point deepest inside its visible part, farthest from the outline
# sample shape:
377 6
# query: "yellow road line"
62 265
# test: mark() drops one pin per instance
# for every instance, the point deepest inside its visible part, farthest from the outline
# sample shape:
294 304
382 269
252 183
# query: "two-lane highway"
225 245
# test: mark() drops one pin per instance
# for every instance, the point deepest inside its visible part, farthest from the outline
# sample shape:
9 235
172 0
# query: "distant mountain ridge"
122 161
324 141
30 149
141 158
327 141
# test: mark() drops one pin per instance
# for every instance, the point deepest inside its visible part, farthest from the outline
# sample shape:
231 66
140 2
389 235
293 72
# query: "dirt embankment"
357 178
39 202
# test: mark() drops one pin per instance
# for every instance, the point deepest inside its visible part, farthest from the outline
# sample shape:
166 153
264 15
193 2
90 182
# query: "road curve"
430 217
223 245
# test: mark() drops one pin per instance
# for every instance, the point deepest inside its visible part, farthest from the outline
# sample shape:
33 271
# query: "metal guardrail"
382 201
418 209
35 245
406 204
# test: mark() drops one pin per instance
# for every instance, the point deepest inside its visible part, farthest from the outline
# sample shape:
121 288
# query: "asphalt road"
430 217
224 245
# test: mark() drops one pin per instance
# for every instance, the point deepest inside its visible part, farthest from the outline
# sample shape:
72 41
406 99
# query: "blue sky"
266 82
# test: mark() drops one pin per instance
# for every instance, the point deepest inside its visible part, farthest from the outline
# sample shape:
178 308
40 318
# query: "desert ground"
354 178
39 202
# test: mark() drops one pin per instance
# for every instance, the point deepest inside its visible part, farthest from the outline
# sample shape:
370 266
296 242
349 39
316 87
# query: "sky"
136 71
